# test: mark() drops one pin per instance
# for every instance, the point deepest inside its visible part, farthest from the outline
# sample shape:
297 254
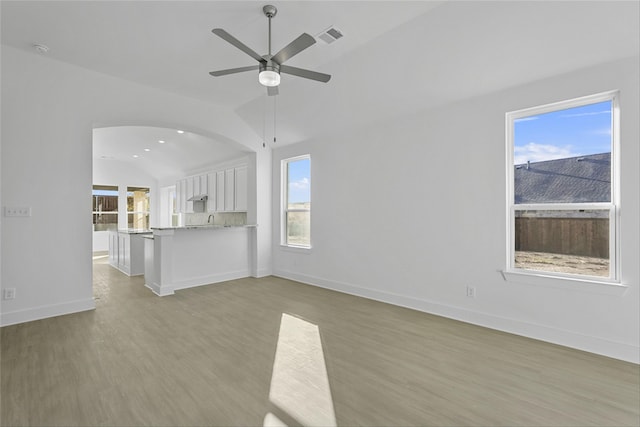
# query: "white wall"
412 210
49 109
123 175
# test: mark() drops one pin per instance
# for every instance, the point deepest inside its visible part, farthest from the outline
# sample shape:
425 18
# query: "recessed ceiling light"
160 141
147 149
180 131
135 156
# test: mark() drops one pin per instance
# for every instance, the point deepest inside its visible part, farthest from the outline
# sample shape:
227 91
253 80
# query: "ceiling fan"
270 66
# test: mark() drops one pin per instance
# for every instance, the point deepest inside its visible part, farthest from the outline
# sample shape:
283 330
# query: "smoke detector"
330 35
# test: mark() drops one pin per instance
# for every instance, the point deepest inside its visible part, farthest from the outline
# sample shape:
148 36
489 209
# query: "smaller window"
105 207
138 208
296 196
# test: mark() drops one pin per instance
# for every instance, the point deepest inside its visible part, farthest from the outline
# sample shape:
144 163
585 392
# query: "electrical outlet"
9 293
471 292
23 211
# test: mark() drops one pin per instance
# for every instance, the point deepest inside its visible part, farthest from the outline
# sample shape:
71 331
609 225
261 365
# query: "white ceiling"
396 57
140 147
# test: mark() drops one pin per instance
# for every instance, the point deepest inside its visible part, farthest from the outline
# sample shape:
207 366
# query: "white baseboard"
43 312
196 281
208 280
156 289
561 337
263 272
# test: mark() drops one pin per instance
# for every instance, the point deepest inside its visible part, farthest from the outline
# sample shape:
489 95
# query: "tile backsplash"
220 218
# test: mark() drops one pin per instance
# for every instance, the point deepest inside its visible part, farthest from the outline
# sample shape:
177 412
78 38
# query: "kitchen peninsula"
183 257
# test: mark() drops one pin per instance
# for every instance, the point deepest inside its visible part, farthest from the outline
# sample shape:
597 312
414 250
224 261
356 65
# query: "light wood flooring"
270 351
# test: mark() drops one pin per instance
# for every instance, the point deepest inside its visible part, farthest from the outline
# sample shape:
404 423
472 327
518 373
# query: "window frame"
99 212
613 207
284 202
147 213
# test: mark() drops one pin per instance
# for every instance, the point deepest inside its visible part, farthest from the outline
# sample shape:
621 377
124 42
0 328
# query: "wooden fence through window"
569 236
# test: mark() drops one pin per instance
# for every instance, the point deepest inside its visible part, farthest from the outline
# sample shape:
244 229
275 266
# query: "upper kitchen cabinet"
229 190
219 191
181 196
199 185
189 187
226 190
212 201
240 188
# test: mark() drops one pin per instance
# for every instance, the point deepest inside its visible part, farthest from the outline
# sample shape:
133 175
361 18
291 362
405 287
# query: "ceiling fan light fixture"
269 78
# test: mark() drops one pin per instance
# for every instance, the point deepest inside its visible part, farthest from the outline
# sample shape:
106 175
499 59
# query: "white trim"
159 290
46 311
590 284
613 206
566 104
297 249
209 280
170 289
614 349
263 272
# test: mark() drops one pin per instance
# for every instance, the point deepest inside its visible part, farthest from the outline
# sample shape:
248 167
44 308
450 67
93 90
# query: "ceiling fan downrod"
270 11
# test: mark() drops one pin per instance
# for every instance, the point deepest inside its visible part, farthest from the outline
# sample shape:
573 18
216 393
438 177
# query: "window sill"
591 285
296 249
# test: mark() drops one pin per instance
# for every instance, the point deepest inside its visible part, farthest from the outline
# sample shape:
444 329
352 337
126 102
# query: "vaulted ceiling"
395 57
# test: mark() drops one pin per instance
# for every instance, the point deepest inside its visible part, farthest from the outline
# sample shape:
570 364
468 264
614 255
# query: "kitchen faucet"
210 219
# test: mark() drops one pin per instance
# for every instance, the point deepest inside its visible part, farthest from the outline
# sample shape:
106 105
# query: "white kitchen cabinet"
226 190
219 191
187 188
240 189
195 184
181 196
126 252
189 194
229 190
203 184
211 192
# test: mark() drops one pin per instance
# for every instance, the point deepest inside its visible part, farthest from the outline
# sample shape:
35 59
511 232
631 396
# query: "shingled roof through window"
570 180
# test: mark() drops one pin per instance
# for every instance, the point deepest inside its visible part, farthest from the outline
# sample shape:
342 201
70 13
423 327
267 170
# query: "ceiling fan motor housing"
269 10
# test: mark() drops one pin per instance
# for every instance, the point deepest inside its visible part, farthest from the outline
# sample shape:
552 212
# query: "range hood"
198 198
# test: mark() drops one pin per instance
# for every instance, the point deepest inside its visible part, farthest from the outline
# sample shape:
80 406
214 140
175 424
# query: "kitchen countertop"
135 231
204 226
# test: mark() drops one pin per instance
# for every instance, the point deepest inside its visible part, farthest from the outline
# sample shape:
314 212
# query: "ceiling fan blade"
272 90
293 48
307 74
237 43
234 70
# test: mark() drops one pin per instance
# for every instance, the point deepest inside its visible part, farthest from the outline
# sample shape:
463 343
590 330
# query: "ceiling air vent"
330 35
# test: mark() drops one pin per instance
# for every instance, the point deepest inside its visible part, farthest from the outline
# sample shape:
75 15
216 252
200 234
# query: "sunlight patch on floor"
299 382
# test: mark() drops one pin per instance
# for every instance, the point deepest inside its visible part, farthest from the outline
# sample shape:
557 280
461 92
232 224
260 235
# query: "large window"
562 188
296 196
138 208
105 207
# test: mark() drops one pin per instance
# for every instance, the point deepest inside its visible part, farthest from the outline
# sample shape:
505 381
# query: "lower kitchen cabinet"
126 252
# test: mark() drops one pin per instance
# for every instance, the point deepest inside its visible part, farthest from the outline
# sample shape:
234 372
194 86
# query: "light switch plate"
23 211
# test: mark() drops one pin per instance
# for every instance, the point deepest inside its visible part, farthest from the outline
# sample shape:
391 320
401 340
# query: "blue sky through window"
577 131
299 181
105 192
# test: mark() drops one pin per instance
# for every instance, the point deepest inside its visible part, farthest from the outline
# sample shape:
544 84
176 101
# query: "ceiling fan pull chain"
264 124
275 104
